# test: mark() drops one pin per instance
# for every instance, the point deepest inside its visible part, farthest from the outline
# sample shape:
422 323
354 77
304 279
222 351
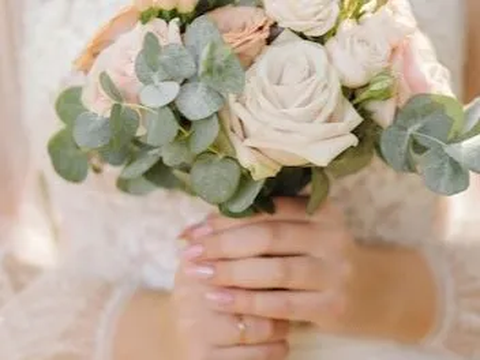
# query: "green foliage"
124 124
320 190
380 88
142 161
221 69
245 196
109 87
204 134
177 62
428 137
159 94
69 105
162 127
215 179
92 131
67 159
200 34
149 15
163 177
198 101
177 154
138 187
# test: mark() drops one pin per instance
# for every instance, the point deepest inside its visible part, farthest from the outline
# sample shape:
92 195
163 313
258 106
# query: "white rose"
311 17
292 112
362 50
118 60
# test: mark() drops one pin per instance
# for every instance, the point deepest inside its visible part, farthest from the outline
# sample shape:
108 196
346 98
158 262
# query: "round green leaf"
245 196
69 105
141 163
151 50
162 127
109 87
138 187
442 174
114 156
199 34
159 95
177 153
204 134
163 177
198 101
320 190
92 131
67 159
215 179
177 61
124 123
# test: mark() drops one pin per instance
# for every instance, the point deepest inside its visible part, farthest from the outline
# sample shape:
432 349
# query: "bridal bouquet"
237 102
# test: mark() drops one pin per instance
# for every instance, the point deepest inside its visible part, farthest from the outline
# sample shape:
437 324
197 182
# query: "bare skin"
381 289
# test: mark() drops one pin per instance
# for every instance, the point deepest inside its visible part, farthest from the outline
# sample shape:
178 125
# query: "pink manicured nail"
201 272
199 231
193 252
220 298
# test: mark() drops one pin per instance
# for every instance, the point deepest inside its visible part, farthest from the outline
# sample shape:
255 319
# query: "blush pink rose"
118 60
418 71
245 28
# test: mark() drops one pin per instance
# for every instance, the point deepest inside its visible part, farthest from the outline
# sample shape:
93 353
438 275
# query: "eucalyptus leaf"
353 159
245 196
204 134
67 159
454 109
162 127
221 69
177 61
109 87
162 176
198 101
442 174
320 190
92 131
143 72
124 124
466 153
160 94
151 51
237 215
69 105
114 156
199 34
143 161
215 179
472 120
138 187
177 153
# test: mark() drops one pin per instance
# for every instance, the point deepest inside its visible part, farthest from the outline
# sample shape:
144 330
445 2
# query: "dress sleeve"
457 266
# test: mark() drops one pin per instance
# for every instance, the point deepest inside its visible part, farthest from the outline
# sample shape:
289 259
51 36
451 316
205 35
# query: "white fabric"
63 296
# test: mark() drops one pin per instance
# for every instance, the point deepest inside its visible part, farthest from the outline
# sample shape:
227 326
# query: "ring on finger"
242 330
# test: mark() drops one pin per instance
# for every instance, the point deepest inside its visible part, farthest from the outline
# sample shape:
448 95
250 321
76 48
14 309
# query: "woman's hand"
290 266
205 334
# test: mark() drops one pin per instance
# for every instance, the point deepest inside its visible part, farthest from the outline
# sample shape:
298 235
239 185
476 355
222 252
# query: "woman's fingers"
282 305
272 238
232 330
273 351
292 273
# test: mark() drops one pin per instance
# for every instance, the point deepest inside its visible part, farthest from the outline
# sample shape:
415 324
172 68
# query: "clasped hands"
242 282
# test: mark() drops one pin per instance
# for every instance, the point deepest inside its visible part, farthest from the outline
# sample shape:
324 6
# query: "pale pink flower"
118 61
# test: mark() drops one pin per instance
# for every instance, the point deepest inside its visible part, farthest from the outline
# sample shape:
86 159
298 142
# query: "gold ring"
242 328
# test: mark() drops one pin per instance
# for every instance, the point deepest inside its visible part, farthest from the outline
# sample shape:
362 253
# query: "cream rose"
245 28
362 50
418 71
118 61
292 112
311 17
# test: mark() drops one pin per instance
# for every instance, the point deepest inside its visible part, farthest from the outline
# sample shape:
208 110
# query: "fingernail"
198 231
193 252
220 298
201 272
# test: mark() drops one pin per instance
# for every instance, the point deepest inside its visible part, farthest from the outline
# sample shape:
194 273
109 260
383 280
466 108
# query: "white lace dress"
67 271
